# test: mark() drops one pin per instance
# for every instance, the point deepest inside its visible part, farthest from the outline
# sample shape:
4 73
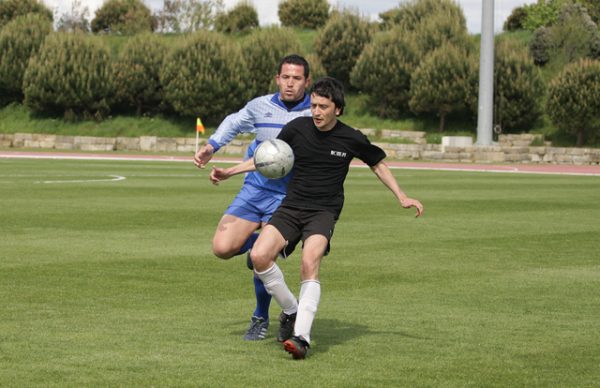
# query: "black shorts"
297 225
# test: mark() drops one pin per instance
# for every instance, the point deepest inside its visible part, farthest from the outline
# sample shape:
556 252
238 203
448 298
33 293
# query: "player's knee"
260 259
223 251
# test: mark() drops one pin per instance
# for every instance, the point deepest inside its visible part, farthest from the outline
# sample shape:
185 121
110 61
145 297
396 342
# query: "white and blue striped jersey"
264 116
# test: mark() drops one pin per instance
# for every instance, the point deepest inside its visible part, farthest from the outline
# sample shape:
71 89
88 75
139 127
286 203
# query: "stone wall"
509 149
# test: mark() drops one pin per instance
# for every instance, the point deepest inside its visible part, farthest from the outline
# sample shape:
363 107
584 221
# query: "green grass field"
107 281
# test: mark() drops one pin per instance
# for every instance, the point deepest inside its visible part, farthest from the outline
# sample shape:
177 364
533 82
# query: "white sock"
310 294
275 285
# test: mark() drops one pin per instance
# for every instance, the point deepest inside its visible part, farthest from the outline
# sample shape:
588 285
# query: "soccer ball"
273 158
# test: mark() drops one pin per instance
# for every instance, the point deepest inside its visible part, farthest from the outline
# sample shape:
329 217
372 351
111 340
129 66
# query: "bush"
441 82
572 36
383 71
541 14
123 17
187 15
10 9
340 43
263 50
411 13
518 90
574 99
19 40
303 13
438 29
515 20
593 9
317 70
240 19
206 76
136 73
70 75
540 45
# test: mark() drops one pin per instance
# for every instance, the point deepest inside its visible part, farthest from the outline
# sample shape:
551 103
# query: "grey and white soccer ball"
273 158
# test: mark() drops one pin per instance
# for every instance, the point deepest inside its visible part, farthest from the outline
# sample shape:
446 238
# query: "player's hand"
218 174
204 155
409 202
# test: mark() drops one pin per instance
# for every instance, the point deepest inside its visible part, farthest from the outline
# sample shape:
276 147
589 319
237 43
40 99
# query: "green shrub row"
419 61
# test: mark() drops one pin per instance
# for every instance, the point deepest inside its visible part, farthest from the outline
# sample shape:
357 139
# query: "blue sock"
248 244
263 299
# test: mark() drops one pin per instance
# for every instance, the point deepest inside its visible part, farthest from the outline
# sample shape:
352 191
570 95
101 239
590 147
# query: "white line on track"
113 178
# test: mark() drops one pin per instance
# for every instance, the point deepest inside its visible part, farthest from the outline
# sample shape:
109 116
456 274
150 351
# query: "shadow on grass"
332 332
328 332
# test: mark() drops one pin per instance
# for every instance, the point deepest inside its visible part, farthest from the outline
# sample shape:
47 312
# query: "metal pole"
485 111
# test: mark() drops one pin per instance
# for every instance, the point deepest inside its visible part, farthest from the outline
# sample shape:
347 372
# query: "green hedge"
19 40
136 73
206 76
70 75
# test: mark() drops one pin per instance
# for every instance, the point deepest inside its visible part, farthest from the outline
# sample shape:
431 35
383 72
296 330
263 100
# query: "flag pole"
199 129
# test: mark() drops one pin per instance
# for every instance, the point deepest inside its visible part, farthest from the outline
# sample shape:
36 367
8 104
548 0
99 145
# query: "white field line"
114 178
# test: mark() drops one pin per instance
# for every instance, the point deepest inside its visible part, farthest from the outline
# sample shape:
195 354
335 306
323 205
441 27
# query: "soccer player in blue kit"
323 149
258 197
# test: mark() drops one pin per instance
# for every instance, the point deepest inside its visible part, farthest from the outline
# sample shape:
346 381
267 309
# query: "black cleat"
286 328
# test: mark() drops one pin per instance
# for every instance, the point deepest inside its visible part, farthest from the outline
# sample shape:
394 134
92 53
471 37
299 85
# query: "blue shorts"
254 204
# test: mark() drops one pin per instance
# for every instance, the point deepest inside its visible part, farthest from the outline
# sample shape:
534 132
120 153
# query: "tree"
76 19
572 36
516 19
593 9
206 76
441 82
411 13
123 17
574 99
10 9
188 15
383 72
340 42
539 46
263 50
544 13
240 19
136 73
518 89
438 29
70 75
19 40
303 13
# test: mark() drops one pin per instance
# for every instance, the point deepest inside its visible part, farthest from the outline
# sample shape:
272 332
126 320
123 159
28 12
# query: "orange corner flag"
199 126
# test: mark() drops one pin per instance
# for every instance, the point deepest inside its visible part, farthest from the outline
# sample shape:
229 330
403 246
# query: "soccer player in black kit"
323 149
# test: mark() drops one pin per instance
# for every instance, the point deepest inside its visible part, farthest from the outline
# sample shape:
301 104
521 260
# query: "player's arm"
387 178
230 127
220 174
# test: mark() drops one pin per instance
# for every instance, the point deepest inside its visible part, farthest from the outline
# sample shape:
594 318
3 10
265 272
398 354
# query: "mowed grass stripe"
113 283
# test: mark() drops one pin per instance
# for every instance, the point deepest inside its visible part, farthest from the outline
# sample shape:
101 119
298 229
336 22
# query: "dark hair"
331 88
294 59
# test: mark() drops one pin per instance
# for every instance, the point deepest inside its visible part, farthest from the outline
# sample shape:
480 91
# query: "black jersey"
322 160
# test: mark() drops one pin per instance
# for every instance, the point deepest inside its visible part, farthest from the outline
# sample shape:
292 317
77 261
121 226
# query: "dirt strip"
561 169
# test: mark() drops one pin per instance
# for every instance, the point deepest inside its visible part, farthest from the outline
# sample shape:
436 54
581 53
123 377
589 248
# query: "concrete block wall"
509 149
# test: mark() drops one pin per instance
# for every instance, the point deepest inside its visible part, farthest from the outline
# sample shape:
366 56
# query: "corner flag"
199 126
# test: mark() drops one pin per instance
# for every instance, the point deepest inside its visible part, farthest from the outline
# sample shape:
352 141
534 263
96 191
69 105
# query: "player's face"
291 82
324 112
